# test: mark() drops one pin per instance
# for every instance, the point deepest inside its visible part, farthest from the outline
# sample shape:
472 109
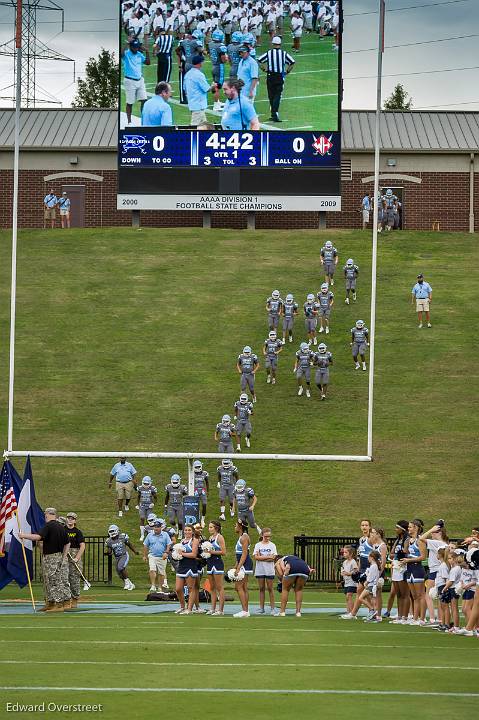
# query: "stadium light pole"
377 141
16 164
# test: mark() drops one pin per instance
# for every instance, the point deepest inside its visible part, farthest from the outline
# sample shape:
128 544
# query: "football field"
317 666
310 97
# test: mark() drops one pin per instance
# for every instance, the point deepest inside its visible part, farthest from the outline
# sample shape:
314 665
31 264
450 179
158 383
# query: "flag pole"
26 564
16 166
377 142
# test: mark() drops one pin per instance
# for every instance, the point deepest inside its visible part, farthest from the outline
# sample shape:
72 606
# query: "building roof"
416 131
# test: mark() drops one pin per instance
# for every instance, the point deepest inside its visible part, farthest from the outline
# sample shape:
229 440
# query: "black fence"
97 567
322 554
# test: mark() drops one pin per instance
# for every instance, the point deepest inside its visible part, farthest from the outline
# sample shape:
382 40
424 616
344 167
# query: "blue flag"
31 518
9 479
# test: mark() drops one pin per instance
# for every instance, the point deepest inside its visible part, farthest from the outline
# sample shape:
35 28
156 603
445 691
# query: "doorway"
76 193
399 192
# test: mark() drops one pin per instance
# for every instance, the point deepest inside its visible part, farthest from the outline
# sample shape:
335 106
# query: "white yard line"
467 647
236 691
237 664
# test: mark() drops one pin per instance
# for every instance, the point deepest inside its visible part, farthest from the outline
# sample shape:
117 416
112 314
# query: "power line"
421 42
423 72
409 7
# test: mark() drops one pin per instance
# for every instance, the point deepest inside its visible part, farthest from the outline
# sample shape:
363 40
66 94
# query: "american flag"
8 506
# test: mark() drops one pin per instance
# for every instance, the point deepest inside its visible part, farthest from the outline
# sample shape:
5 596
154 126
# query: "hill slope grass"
128 340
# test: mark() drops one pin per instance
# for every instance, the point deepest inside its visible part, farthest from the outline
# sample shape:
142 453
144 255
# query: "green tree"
398 100
99 88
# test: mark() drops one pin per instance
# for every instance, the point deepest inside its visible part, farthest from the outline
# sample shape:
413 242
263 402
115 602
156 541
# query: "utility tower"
33 50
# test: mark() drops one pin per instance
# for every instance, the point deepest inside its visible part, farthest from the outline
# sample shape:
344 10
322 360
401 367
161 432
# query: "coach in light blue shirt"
156 110
197 89
155 552
124 474
422 293
248 72
238 112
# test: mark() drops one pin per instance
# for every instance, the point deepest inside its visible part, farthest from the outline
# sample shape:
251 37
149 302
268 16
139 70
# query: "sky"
91 25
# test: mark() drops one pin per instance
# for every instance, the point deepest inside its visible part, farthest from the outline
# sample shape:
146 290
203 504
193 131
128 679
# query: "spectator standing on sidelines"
64 205
156 110
124 474
162 50
248 72
156 546
277 63
55 547
297 23
365 209
134 82
197 89
264 553
77 550
50 202
422 293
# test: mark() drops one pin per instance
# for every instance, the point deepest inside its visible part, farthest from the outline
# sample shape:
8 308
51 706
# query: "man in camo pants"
55 547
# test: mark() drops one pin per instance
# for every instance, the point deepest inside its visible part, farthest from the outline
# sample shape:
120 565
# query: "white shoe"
178 611
274 612
202 522
348 616
248 442
332 281
420 326
281 614
323 396
152 588
467 633
290 338
254 398
298 614
268 379
273 381
347 301
327 330
308 394
201 611
364 366
429 325
315 340
283 341
222 516
120 514
127 508
260 611
165 586
232 513
310 342
354 297
300 390
141 538
184 612
217 613
238 448
357 366
242 614
320 330
209 612
258 529
131 586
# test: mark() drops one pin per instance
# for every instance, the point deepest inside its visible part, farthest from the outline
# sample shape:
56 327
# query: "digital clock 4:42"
237 141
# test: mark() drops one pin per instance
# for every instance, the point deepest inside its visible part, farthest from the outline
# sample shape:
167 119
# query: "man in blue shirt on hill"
124 474
422 293
155 553
156 110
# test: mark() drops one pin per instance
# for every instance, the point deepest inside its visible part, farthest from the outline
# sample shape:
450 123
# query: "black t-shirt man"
75 537
54 536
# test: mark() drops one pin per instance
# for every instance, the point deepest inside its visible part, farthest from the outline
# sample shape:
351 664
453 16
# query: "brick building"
428 157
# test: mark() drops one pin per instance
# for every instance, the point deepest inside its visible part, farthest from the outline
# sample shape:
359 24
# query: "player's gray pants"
226 492
273 321
304 373
288 323
247 516
122 562
247 380
324 312
175 514
271 362
225 447
144 511
329 269
322 376
359 349
243 427
310 324
350 283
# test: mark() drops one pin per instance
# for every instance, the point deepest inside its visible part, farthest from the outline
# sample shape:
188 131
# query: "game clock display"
160 147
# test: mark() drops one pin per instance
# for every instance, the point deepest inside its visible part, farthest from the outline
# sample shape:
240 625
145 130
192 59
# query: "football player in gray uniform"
359 343
351 272
325 302
117 545
245 500
322 360
274 307
290 310
272 346
147 494
243 409
225 434
201 484
227 476
302 368
310 309
329 260
175 492
247 365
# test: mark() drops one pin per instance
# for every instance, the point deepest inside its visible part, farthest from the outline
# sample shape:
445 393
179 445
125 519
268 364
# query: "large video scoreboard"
290 165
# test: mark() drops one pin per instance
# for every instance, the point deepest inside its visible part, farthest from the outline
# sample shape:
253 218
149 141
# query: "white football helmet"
304 346
151 517
324 287
275 294
359 324
247 350
350 262
322 348
272 335
243 398
113 531
310 297
289 298
328 245
240 485
198 466
226 419
175 480
226 463
146 481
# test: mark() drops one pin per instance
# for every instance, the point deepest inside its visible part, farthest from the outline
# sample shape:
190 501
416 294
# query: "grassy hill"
128 340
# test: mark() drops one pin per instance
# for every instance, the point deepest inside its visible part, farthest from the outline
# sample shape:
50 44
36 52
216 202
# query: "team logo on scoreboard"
322 145
134 142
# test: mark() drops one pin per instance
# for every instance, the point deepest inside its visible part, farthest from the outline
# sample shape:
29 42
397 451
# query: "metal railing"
97 567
